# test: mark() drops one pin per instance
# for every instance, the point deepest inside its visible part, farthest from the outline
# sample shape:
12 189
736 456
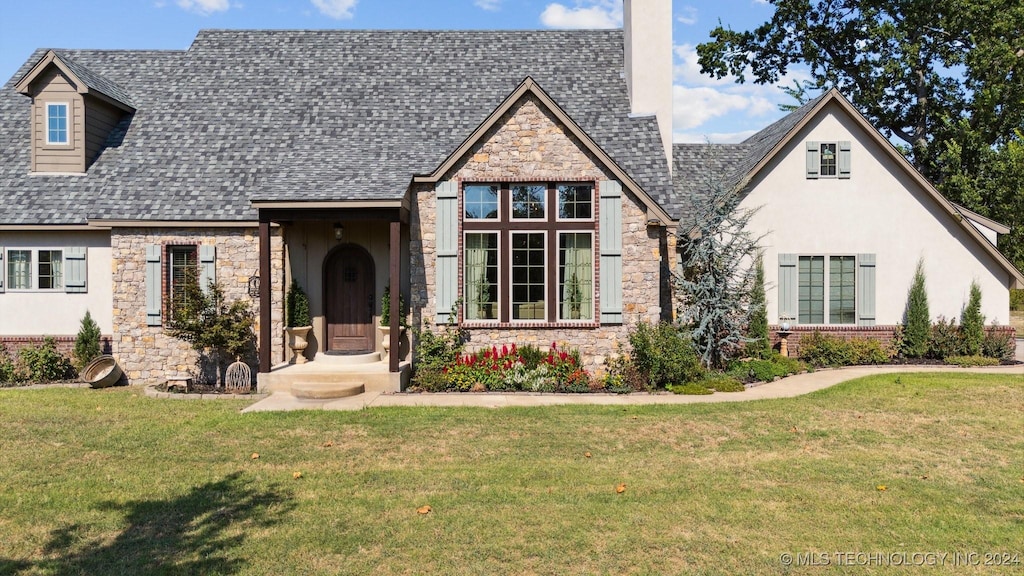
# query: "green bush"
532 356
45 364
8 369
622 375
1017 300
775 366
758 345
971 360
87 343
664 354
437 350
692 389
999 344
819 349
723 383
917 318
296 306
946 340
972 323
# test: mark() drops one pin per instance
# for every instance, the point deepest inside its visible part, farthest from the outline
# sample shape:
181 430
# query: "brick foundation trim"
884 334
65 344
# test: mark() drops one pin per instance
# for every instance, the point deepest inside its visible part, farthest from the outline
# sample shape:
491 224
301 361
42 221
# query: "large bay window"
528 252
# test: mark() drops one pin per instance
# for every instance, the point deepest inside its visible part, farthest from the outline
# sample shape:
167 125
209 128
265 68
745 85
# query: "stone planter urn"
385 332
297 342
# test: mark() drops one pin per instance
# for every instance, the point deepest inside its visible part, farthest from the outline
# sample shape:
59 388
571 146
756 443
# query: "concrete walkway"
784 388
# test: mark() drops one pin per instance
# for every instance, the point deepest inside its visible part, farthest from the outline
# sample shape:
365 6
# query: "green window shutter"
611 251
76 268
447 264
154 290
865 289
207 266
3 269
813 160
788 287
844 159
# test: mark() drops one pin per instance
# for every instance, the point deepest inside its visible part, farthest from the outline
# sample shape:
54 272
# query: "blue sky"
705 109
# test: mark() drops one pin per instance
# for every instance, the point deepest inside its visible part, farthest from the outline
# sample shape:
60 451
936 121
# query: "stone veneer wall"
147 354
530 145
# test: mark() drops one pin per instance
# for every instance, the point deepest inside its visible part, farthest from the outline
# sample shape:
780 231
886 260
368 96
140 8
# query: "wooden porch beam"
396 294
265 303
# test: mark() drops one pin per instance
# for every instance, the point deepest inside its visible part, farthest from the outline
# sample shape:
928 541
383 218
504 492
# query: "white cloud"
490 5
337 9
585 14
687 15
205 7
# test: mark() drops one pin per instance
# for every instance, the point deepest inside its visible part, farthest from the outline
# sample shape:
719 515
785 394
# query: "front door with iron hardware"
348 299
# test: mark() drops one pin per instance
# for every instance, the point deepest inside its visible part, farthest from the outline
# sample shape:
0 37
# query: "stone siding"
528 144
147 354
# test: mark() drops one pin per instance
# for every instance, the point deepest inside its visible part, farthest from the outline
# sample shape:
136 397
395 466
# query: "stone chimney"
647 25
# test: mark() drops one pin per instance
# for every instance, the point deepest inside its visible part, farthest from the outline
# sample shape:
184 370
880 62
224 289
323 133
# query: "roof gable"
85 80
530 87
762 148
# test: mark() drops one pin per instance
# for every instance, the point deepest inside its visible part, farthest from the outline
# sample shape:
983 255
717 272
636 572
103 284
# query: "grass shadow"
195 533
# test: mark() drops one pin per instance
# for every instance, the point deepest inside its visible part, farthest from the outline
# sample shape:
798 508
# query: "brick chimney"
647 25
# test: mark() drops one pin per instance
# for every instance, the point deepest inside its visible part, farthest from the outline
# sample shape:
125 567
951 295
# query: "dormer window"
57 124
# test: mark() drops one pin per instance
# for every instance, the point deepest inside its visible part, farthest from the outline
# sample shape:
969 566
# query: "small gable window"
828 159
57 123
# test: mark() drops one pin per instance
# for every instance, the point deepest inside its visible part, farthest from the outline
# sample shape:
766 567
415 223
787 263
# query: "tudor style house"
524 179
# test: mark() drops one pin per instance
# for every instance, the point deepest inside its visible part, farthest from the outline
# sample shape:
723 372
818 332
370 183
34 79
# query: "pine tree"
972 323
757 316
917 319
715 283
87 342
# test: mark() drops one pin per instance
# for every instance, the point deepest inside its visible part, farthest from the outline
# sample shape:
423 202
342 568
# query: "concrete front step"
326 390
347 359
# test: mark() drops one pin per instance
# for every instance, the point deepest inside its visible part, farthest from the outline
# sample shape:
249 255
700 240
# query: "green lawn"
113 482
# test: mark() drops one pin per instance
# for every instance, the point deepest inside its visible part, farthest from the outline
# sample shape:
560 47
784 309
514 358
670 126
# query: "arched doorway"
349 289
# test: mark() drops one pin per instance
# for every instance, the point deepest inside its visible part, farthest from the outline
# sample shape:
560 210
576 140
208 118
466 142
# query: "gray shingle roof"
96 81
289 115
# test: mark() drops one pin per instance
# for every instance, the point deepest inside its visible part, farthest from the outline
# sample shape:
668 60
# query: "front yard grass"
113 482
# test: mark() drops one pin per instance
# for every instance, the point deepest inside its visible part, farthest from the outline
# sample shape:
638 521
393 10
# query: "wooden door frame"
326 289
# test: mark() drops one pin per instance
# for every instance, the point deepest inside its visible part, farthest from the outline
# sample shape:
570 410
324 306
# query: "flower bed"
509 369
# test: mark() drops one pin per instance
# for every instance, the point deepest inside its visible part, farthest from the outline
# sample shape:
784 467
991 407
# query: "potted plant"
298 321
385 318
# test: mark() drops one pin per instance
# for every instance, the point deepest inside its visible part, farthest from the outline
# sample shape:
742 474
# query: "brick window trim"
595 230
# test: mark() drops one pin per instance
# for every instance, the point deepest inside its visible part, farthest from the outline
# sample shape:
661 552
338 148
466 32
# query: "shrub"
622 375
972 323
45 364
437 350
946 340
971 360
296 306
87 342
1017 299
917 318
723 383
999 344
820 349
766 370
532 356
8 370
691 388
758 345
218 329
664 354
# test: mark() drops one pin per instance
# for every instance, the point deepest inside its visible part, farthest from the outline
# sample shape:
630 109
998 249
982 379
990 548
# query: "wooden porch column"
396 294
265 304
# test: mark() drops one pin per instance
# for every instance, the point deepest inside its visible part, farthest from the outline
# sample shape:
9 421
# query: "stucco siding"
57 312
879 210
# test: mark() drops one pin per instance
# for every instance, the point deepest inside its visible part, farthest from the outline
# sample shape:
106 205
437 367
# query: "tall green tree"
917 320
972 322
758 345
945 77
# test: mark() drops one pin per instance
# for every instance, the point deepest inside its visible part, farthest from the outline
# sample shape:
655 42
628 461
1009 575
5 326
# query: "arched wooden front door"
348 300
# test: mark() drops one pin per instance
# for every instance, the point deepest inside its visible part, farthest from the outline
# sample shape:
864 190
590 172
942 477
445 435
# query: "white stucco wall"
59 313
879 210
